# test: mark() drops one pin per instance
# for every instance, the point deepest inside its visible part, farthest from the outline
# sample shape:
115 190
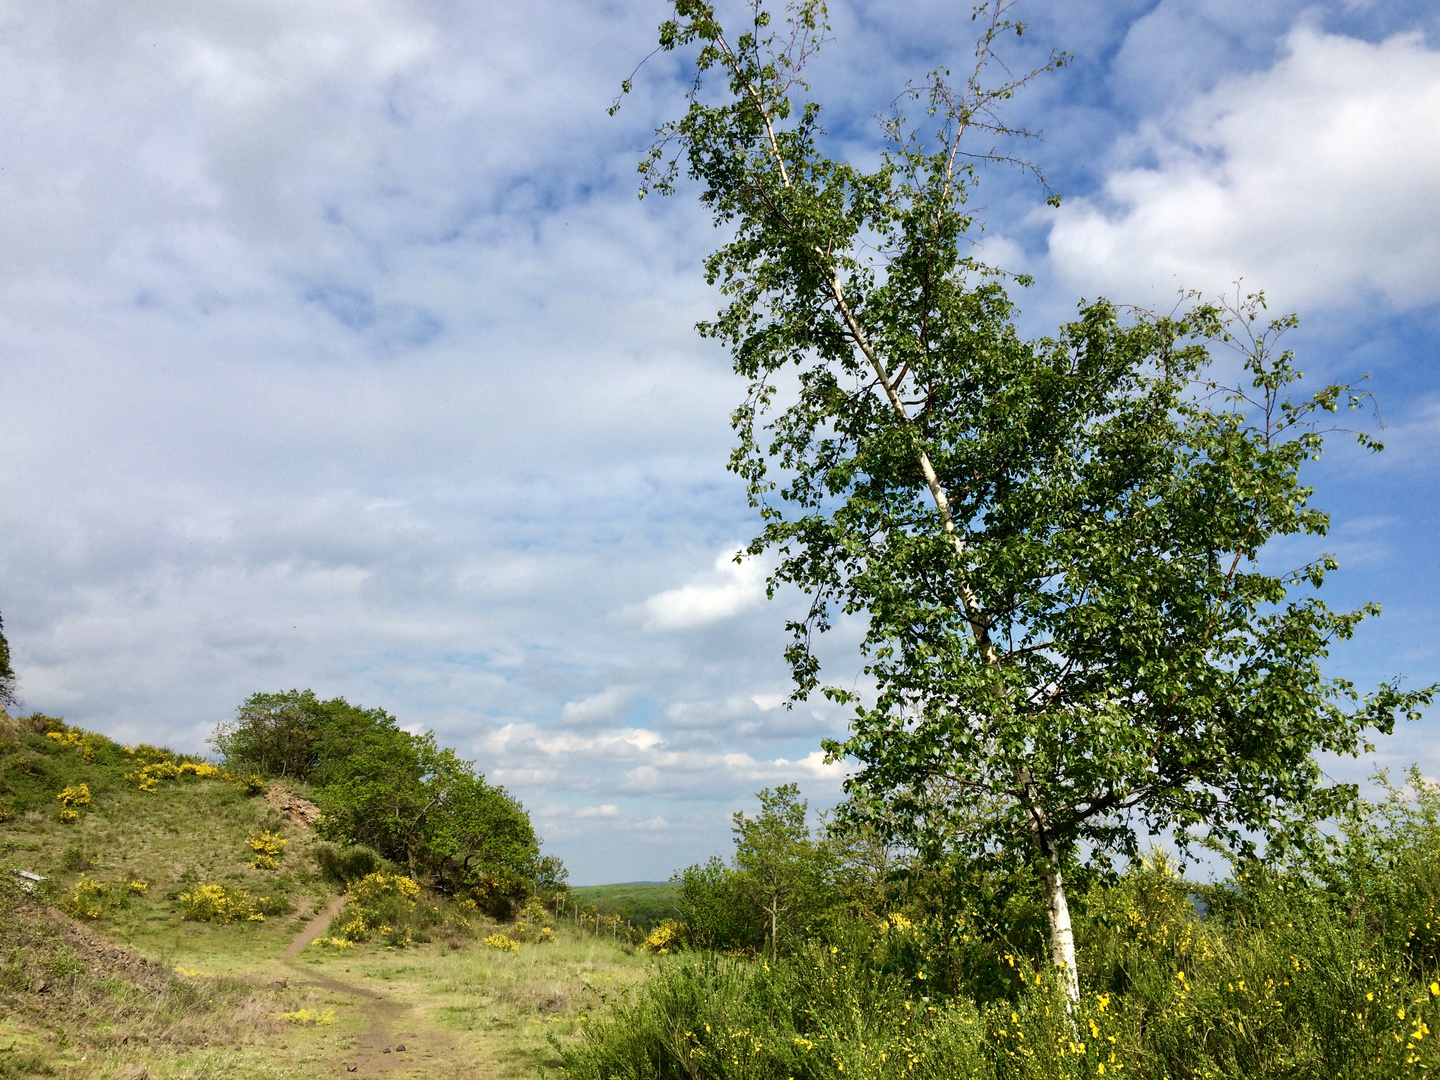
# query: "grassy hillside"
642 903
101 969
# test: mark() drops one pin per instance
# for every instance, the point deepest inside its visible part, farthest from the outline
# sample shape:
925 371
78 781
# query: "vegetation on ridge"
170 952
401 795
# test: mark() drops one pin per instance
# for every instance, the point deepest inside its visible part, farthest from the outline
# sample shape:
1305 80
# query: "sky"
337 351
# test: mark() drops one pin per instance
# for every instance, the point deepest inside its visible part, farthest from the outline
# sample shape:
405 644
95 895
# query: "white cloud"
727 590
1315 179
607 810
606 705
337 353
638 763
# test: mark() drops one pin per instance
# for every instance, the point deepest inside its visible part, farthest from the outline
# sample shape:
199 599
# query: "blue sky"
338 352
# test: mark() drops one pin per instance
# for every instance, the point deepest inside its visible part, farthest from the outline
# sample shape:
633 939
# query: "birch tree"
1055 545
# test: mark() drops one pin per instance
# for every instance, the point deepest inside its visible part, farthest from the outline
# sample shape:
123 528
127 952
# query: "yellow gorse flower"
216 903
269 848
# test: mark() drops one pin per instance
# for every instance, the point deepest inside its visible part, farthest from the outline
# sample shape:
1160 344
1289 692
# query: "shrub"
533 922
501 942
91 899
41 724
77 857
76 739
391 908
386 906
667 937
252 785
269 848
343 865
217 903
710 909
73 799
149 777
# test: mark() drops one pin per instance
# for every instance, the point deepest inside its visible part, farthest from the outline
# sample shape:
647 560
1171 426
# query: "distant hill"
643 903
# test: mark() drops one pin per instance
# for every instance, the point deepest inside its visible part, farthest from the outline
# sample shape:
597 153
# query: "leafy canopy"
404 795
1055 546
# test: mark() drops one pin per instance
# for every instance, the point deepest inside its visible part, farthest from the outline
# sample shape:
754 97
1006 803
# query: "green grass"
643 904
210 1000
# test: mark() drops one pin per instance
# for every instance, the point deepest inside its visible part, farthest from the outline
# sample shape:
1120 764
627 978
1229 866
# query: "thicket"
1324 961
387 794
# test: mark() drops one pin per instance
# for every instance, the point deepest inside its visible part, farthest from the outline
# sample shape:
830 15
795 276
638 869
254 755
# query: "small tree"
706 904
275 734
780 871
1055 545
403 795
7 673
475 829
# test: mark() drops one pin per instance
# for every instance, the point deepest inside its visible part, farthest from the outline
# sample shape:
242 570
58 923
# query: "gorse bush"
84 743
91 899
268 848
222 904
394 909
149 777
667 937
500 941
72 800
533 922
386 906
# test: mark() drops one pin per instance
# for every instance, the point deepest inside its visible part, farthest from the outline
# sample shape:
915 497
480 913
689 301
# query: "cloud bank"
335 351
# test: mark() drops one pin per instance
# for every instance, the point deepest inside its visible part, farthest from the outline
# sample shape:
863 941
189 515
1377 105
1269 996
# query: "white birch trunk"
1062 934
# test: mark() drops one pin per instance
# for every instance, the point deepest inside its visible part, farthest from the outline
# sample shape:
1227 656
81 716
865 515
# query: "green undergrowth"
1281 977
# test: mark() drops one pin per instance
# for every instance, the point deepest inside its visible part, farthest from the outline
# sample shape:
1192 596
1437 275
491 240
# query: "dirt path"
382 1047
315 927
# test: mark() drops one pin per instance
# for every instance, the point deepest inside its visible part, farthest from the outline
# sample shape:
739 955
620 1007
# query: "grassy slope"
642 904
208 1000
